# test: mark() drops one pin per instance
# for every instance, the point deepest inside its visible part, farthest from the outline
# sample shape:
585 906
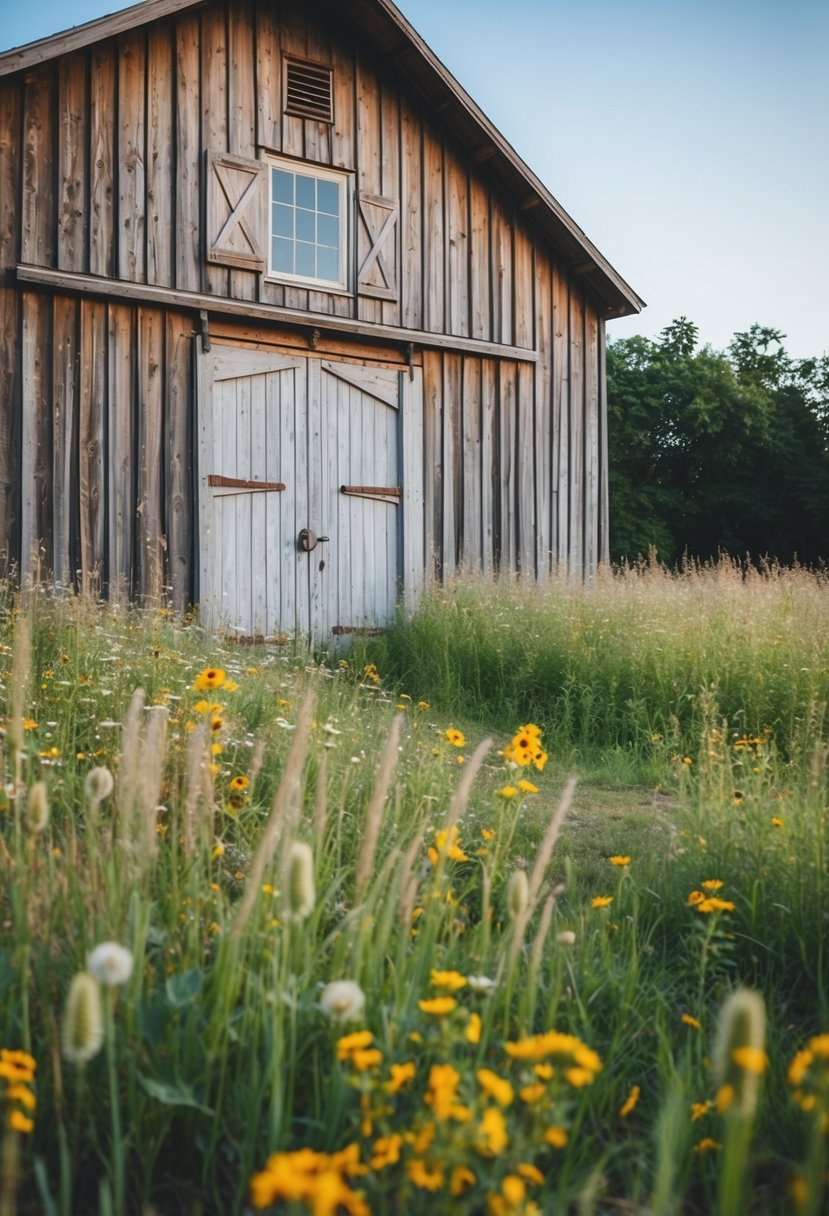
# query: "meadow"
520 908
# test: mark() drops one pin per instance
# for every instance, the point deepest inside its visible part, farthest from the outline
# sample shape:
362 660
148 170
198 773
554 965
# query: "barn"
287 328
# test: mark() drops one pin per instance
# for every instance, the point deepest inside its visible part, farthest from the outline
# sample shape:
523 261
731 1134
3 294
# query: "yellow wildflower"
455 737
211 677
556 1137
690 1020
619 860
427 1176
629 1102
451 980
495 1087
438 1006
601 901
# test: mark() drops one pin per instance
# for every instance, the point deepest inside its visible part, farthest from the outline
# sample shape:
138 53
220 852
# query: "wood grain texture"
102 160
178 463
91 445
150 539
159 171
11 168
132 157
188 156
35 465
72 164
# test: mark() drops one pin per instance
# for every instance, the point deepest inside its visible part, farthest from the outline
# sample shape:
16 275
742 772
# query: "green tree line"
717 451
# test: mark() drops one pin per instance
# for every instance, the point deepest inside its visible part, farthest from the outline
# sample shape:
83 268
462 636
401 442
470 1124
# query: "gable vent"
308 91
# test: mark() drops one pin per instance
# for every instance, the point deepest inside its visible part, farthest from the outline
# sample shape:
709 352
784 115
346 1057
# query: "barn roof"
398 42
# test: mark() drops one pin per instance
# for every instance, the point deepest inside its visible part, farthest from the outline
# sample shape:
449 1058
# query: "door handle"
308 540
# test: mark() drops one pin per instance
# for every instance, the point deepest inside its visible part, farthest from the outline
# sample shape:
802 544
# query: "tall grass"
508 1027
622 662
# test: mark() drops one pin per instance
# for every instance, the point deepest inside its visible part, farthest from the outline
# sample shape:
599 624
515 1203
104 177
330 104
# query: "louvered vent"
308 91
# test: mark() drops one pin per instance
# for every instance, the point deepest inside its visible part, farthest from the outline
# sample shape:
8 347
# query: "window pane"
283 220
328 230
283 255
328 197
328 265
305 226
306 192
283 186
305 260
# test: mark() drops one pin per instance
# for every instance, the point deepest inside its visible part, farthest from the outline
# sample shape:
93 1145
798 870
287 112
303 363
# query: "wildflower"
776 821
423 706
713 884
480 984
240 783
492 1133
371 673
472 1033
447 843
18 1122
450 980
350 1043
495 1087
386 1151
531 1172
707 1145
110 964
690 1020
695 897
342 1001
211 677
460 1178
699 1110
442 1091
751 1059
619 860
527 787
399 1076
601 901
301 891
425 1176
507 792
713 904
17 1067
438 1006
556 1137
532 1093
629 1102
82 1027
455 737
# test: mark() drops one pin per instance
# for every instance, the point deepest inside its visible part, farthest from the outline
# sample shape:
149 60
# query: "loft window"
308 90
309 223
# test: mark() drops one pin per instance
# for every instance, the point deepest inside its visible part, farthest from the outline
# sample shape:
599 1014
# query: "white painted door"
291 443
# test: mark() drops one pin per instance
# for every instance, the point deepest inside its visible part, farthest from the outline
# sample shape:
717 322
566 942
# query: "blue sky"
688 138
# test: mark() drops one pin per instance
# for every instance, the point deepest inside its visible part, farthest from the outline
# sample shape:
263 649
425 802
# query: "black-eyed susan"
455 737
210 677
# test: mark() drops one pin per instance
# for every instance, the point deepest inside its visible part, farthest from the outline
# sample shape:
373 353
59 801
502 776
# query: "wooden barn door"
303 493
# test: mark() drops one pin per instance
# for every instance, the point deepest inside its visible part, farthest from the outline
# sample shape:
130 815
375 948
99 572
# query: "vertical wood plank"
489 465
592 440
132 154
64 433
501 230
91 475
434 312
480 276
342 139
268 77
369 166
178 465
576 548
188 155
470 500
411 227
412 505
72 163
452 464
526 472
241 129
561 418
432 464
160 163
507 552
36 455
390 183
149 538
457 247
38 219
214 86
10 385
543 418
121 462
523 288
604 490
101 160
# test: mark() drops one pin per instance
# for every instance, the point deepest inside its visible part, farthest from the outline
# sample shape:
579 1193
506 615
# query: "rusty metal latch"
308 540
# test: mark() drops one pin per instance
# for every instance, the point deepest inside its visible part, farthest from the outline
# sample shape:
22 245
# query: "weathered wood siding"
103 164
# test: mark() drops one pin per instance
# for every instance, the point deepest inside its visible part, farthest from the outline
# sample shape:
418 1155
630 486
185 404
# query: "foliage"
714 452
317 949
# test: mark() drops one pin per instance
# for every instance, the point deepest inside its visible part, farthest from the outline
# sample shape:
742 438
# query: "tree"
713 451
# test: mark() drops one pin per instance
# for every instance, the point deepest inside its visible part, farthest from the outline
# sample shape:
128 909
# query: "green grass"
697 760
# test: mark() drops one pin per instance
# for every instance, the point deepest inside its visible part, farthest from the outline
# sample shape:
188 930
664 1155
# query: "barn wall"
102 172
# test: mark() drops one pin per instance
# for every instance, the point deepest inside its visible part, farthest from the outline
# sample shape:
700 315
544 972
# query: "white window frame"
345 183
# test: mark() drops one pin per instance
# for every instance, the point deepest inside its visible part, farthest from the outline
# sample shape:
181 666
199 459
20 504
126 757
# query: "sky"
689 139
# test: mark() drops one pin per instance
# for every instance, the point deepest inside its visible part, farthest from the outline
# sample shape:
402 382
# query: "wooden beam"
69 282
